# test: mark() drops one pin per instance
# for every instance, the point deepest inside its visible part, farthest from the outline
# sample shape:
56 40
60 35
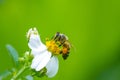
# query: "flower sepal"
40 73
27 58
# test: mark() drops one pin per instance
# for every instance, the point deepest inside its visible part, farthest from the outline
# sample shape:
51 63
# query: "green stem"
19 73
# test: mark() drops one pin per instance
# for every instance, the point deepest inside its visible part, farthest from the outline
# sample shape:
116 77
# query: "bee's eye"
57 35
63 37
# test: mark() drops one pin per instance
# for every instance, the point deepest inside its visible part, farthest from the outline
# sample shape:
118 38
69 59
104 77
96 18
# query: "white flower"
42 57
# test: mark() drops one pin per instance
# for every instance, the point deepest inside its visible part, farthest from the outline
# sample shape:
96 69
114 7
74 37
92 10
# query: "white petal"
35 43
36 60
38 52
52 67
40 60
29 32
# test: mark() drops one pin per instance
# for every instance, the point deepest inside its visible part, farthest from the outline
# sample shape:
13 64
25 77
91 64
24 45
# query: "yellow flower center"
53 47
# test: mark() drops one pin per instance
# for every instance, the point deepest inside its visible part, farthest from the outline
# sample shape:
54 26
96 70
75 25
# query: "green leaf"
13 53
4 74
29 77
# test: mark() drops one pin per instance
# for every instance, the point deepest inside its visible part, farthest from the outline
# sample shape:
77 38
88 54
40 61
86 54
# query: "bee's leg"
62 44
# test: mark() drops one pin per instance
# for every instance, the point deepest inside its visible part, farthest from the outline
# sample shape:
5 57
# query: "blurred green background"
93 28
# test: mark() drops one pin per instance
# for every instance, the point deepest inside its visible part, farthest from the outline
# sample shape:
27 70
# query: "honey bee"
64 43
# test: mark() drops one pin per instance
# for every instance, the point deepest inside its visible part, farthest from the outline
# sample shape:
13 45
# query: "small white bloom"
42 57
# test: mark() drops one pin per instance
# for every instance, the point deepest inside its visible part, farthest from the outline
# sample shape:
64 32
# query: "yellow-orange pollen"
53 47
